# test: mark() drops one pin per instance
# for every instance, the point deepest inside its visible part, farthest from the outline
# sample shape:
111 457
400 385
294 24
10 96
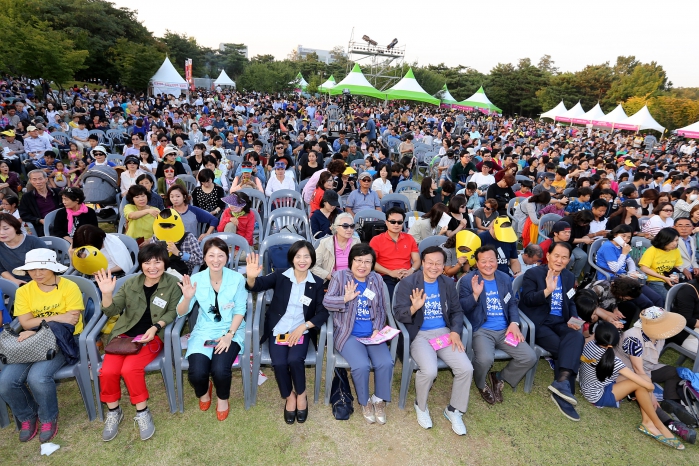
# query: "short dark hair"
155 250
216 242
586 301
12 221
562 244
89 235
625 286
361 249
74 194
181 189
432 250
664 237
205 174
485 248
599 203
584 191
395 210
137 190
296 247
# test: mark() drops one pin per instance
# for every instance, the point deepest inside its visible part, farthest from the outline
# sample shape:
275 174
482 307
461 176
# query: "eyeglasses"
348 226
395 222
361 262
667 210
217 314
279 147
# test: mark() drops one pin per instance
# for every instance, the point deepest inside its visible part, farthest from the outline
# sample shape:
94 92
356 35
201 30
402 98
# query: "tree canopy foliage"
60 40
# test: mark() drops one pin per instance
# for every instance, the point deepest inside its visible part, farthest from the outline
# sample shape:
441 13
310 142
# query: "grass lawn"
525 429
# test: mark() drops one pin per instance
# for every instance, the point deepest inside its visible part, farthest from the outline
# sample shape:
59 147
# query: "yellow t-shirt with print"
660 261
67 297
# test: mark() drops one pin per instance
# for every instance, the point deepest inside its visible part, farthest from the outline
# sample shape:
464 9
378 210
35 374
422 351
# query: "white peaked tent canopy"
409 89
445 96
224 80
641 120
595 113
481 101
327 85
167 80
612 118
357 84
575 112
299 81
558 110
691 131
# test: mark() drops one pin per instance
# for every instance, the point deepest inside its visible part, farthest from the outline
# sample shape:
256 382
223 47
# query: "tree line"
85 40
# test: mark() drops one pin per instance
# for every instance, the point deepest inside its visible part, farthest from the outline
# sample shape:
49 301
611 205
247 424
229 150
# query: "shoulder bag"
41 346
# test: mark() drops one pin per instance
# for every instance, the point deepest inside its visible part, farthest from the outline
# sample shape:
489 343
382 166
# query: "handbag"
341 396
122 346
41 346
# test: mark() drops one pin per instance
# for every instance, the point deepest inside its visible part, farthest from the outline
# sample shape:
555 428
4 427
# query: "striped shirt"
591 387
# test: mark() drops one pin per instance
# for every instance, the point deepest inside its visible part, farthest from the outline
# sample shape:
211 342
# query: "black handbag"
341 396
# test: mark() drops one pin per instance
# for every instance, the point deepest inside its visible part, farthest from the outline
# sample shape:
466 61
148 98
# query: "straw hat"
659 324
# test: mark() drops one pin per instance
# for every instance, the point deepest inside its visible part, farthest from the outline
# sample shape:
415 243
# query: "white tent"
641 120
595 113
328 84
559 109
575 112
691 131
167 80
612 118
224 80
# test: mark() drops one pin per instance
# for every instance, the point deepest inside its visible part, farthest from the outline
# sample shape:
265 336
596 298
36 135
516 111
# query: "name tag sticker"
507 298
571 293
305 300
159 302
369 294
501 253
639 244
229 305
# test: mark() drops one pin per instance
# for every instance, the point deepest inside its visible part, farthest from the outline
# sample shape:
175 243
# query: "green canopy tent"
480 101
445 96
299 82
357 84
327 85
409 89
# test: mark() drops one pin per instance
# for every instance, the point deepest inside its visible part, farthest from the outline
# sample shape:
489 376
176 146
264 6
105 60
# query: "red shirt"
391 254
316 198
545 245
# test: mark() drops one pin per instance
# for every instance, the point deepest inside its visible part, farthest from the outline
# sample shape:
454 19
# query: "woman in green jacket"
149 302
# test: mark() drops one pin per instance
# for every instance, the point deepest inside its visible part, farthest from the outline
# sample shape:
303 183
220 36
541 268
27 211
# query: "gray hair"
341 216
38 170
533 250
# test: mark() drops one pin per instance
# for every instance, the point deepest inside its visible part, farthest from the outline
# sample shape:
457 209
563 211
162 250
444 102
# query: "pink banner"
603 124
689 134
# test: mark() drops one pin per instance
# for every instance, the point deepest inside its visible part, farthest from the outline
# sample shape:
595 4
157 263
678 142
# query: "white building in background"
323 55
244 51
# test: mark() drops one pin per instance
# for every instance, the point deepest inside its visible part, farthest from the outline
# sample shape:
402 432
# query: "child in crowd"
582 202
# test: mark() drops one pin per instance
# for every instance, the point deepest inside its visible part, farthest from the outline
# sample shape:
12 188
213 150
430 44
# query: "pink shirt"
341 255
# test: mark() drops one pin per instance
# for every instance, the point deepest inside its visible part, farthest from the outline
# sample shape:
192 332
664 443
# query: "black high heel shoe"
289 416
302 414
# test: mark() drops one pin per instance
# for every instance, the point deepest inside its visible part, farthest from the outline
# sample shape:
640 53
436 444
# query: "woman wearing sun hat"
29 389
237 217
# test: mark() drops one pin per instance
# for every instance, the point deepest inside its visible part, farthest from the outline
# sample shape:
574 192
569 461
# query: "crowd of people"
487 184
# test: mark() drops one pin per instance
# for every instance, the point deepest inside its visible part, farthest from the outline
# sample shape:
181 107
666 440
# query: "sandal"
672 442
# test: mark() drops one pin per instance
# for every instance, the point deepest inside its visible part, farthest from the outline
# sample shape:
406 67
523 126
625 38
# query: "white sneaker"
457 423
368 412
423 417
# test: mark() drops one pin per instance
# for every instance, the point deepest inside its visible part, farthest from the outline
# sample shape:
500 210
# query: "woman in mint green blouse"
222 300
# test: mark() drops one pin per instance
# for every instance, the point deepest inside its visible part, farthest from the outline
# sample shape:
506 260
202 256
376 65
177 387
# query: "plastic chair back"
546 222
436 240
60 247
48 222
237 246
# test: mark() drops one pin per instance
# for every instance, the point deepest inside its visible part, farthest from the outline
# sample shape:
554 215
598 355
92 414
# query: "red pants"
131 368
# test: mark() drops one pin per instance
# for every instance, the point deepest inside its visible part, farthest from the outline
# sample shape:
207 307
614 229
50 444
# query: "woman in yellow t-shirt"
29 388
138 213
659 260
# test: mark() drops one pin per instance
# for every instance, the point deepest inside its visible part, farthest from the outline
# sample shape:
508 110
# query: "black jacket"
451 308
686 304
60 223
315 312
532 300
29 210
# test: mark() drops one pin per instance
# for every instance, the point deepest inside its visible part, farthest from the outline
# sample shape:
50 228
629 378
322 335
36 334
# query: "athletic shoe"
145 424
457 423
423 417
28 430
111 424
48 431
552 363
562 389
380 412
682 431
368 412
566 408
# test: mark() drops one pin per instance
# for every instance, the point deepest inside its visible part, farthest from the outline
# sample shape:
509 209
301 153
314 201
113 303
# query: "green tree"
232 59
563 87
593 82
269 77
136 63
547 65
267 58
181 47
645 80
431 81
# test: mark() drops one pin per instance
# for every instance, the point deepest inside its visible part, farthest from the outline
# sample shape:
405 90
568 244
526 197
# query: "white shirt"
596 225
275 185
127 181
293 317
379 185
482 180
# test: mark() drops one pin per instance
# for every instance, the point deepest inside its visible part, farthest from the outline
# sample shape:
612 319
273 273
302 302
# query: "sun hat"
31 128
502 228
169 150
131 159
659 324
9 133
233 200
99 149
40 258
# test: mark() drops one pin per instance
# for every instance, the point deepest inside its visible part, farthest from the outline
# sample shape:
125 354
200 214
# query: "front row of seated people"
427 303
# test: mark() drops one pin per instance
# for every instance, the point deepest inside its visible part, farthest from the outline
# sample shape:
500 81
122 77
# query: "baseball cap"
630 203
364 175
31 128
331 198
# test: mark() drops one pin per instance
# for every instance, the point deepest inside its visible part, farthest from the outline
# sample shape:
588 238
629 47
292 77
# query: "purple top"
45 204
341 255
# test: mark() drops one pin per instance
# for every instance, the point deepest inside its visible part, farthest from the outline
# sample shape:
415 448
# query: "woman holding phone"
219 332
296 308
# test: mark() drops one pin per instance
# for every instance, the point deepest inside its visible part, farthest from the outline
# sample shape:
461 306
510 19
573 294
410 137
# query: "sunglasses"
348 226
667 210
217 314
395 222
487 209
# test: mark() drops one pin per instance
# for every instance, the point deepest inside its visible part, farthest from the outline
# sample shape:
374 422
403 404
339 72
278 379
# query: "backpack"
101 185
390 204
277 256
689 396
370 228
341 396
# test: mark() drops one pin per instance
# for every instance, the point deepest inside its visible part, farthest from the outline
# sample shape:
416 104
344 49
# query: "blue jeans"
16 381
658 287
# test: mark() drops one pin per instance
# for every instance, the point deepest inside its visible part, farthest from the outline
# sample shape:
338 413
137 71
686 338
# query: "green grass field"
526 429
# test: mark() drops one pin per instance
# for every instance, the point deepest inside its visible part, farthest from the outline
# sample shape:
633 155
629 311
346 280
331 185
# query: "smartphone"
620 241
137 338
210 344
